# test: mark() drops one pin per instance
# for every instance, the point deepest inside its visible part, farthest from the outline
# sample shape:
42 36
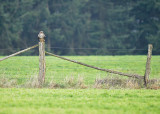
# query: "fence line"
126 61
94 48
106 70
81 48
12 48
14 59
77 68
18 52
42 66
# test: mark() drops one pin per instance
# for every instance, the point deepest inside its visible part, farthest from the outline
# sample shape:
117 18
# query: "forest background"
81 27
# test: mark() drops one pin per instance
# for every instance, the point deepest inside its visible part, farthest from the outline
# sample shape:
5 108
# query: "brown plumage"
41 36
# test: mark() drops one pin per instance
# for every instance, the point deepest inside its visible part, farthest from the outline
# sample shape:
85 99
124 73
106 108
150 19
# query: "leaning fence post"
42 66
147 72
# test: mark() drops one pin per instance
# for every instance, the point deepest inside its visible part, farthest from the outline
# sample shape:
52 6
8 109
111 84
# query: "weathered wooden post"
42 65
147 72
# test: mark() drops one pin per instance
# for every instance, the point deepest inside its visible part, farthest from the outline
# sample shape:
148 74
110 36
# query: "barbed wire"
93 60
84 48
94 48
15 48
65 68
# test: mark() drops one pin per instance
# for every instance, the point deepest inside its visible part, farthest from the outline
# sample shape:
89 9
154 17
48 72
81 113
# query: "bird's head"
41 32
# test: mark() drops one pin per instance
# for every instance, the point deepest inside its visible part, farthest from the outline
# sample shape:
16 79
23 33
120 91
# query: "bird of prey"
41 35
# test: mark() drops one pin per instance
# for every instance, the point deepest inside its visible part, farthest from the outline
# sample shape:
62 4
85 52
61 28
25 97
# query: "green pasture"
76 101
24 67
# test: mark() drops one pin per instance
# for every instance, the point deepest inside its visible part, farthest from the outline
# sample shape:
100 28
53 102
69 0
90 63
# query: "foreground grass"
25 67
79 101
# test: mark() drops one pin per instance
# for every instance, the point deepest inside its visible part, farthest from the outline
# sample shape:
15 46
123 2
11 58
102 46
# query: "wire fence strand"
106 70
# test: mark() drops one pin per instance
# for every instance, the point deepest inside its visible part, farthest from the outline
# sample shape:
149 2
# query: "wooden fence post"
147 72
42 65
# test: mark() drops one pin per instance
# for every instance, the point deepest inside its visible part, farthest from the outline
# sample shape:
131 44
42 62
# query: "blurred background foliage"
81 27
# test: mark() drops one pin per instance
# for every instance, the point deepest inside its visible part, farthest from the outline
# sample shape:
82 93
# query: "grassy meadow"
23 68
78 101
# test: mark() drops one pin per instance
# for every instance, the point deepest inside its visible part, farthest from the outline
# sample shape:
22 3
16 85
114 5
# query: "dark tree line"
82 27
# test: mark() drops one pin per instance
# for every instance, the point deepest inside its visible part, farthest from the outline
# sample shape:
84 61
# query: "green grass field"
76 101
25 67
